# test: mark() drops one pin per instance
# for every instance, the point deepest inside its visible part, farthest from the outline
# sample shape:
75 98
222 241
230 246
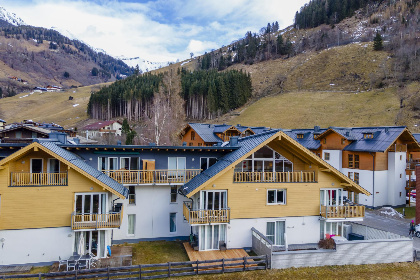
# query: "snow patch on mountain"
11 18
71 36
144 65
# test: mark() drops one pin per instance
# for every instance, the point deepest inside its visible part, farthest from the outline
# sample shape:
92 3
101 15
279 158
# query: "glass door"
213 200
210 237
92 242
275 232
90 204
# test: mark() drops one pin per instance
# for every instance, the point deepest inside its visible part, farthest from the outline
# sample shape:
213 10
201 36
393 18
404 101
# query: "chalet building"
2 124
377 158
74 197
199 134
22 133
104 127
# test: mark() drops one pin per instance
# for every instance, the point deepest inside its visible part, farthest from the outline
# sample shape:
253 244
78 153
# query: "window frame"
276 191
128 224
326 156
174 194
131 194
170 221
353 161
192 135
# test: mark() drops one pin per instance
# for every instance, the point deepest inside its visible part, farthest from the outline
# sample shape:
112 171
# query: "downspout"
373 179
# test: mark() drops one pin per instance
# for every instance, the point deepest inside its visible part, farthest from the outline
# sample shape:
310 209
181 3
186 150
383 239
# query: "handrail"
38 179
96 221
276 177
158 176
205 216
334 212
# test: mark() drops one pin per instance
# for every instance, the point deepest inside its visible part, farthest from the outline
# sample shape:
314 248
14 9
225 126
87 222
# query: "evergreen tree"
377 42
130 137
95 71
125 127
66 75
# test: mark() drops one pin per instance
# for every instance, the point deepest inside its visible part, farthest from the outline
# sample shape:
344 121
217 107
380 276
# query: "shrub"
327 243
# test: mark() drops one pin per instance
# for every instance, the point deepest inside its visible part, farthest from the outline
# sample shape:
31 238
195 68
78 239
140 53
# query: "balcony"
342 212
275 177
95 221
38 179
205 216
138 177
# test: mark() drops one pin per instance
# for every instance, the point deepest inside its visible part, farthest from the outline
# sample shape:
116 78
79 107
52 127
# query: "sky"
155 30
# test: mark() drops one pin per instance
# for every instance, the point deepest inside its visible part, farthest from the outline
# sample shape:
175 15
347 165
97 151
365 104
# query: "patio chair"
83 264
71 264
61 262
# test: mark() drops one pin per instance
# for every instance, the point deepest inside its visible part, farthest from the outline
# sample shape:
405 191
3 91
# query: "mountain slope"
43 57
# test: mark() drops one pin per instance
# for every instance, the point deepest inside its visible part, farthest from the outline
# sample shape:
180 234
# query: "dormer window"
368 135
300 136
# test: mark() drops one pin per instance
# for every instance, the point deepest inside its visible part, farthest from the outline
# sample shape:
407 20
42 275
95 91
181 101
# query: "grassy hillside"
48 106
303 109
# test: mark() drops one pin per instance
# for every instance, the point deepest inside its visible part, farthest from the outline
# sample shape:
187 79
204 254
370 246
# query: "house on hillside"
273 184
374 157
199 134
103 127
22 133
54 204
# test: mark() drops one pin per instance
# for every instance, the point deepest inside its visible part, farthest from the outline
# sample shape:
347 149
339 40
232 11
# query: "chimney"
76 140
184 144
386 129
233 141
59 136
119 142
317 128
152 144
347 133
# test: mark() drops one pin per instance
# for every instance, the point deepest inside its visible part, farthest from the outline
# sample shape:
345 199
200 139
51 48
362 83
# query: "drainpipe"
373 178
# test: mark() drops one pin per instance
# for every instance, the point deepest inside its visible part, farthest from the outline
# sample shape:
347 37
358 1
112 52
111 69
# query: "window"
326 156
192 135
18 134
335 228
33 134
132 195
174 194
400 157
207 162
368 135
176 167
354 176
190 144
300 136
265 160
107 163
53 165
276 196
275 232
353 161
131 223
172 222
343 141
200 144
324 140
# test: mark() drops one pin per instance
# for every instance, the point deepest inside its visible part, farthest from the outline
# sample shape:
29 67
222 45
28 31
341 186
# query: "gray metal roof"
77 161
383 137
205 131
220 128
417 136
308 140
246 144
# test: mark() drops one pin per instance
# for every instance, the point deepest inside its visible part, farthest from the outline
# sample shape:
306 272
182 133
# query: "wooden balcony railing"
205 216
275 177
152 176
96 221
38 179
398 148
336 212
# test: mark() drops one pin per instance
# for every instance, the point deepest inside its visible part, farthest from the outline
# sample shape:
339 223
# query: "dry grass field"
48 106
306 109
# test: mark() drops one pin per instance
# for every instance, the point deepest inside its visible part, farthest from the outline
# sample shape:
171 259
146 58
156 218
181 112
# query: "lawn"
410 212
158 252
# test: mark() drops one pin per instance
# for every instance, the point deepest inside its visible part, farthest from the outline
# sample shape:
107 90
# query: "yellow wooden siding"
23 164
39 207
249 200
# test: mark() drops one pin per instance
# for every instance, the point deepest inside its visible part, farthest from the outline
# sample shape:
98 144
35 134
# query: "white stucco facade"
153 208
35 245
335 158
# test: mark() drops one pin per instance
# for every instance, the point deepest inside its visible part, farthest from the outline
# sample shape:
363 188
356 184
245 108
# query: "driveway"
395 225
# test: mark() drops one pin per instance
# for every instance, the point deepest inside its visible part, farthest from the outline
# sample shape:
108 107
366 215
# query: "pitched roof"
78 164
205 131
308 140
221 128
246 146
383 137
98 125
417 136
28 127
